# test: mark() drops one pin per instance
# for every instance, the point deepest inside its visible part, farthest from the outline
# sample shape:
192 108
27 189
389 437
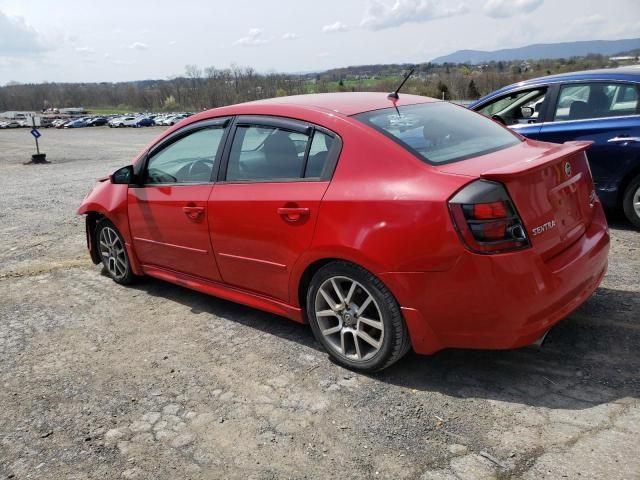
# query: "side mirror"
123 175
526 112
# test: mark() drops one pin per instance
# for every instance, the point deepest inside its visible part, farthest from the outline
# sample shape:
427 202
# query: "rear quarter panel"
385 210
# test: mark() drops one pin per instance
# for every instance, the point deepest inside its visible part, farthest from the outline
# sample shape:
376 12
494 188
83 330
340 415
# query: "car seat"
598 103
578 110
281 156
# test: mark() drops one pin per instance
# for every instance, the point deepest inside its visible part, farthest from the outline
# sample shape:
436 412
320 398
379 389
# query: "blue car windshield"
440 132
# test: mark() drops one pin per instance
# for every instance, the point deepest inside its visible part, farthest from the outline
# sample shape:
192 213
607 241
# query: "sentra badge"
544 227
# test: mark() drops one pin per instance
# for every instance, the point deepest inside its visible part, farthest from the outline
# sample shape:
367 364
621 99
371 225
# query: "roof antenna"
394 95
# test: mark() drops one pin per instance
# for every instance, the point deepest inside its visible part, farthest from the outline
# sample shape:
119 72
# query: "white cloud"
85 50
335 27
138 46
324 55
17 38
253 38
582 28
589 22
290 36
509 8
383 15
107 55
172 43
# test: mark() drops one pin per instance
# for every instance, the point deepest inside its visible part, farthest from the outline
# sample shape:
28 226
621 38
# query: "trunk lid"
550 185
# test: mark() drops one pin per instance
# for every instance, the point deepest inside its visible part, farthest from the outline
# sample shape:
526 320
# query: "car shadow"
617 220
588 359
201 303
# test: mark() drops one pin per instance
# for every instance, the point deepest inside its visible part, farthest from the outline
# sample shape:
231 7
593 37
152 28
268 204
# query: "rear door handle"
293 214
624 140
193 212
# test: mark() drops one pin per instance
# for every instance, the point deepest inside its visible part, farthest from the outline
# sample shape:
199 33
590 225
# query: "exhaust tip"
538 343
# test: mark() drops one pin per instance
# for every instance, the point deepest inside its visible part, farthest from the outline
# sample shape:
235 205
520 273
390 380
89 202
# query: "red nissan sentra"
387 224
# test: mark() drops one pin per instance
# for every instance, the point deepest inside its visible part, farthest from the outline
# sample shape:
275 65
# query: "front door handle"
193 212
293 214
624 140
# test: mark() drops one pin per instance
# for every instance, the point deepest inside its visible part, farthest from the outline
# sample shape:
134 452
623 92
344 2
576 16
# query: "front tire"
631 202
113 253
356 318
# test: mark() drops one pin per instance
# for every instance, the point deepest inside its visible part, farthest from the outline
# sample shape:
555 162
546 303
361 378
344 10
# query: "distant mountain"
542 50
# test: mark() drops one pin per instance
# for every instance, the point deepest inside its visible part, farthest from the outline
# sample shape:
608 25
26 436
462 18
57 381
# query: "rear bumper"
500 301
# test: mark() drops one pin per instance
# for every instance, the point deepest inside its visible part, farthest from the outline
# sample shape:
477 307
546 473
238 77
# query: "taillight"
486 219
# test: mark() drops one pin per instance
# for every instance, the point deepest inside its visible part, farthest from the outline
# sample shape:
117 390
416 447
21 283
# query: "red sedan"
387 224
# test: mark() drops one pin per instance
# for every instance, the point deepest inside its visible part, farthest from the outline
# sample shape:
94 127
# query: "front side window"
440 132
579 101
187 160
517 108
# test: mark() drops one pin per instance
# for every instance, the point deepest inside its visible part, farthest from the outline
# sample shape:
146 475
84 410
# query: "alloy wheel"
113 254
349 318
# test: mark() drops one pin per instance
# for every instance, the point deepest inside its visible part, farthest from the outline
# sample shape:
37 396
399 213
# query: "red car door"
263 210
168 215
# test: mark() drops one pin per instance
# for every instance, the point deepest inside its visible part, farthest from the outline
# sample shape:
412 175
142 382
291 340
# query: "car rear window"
440 132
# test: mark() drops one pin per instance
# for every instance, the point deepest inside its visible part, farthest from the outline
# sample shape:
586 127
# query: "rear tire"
113 253
631 202
354 316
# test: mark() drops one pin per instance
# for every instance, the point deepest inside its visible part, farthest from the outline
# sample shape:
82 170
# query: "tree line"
199 89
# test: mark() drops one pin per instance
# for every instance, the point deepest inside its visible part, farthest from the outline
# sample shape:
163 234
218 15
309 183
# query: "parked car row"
131 121
79 122
113 121
146 120
13 124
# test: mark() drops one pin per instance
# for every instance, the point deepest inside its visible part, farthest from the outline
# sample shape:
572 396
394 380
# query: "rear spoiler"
525 167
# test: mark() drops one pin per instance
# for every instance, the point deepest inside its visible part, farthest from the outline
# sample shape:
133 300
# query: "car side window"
265 153
517 108
187 160
579 101
318 154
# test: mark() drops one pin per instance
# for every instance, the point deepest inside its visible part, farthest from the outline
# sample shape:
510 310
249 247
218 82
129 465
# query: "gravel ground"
156 381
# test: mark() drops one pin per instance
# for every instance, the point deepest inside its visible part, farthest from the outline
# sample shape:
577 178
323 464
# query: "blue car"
144 122
597 105
76 124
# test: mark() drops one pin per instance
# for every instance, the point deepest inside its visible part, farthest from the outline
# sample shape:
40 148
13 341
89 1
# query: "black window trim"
224 122
285 123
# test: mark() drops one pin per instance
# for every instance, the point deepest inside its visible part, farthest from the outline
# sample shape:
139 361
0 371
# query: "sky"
115 40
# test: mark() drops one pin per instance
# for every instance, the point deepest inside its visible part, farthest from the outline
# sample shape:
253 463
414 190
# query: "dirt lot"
156 381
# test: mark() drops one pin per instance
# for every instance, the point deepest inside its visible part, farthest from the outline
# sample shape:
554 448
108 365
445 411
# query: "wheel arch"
305 280
626 180
306 267
92 218
109 200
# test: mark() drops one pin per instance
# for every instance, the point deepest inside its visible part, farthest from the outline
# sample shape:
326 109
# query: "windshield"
440 132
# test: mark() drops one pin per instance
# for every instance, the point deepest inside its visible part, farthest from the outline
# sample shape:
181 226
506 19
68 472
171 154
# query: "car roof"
629 73
346 103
